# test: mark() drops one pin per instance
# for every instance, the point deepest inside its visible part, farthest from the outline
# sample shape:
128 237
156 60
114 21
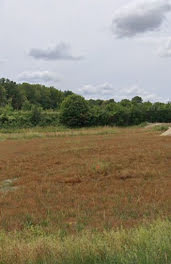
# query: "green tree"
137 100
3 98
27 106
56 98
36 115
18 98
125 102
67 93
74 111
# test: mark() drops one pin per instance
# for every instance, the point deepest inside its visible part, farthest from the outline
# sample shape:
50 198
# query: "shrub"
74 111
36 115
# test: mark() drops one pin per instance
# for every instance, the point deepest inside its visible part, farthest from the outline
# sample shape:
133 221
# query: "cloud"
61 51
38 76
161 45
135 90
140 17
1 2
3 61
97 91
107 91
165 49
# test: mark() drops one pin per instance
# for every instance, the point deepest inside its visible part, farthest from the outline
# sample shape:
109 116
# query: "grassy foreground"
147 244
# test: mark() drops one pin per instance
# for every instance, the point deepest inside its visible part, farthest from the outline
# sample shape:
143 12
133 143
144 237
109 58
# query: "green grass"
143 124
52 131
160 128
32 129
42 132
147 244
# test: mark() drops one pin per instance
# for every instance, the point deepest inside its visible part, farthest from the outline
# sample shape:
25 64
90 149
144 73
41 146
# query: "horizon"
123 52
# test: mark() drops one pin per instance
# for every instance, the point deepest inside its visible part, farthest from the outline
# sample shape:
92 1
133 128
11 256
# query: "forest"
25 105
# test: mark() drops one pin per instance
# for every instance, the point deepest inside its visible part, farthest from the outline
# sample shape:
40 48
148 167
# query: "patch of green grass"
144 124
160 128
147 244
42 132
32 130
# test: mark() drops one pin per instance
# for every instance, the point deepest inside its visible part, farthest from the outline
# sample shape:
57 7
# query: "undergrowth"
161 128
147 244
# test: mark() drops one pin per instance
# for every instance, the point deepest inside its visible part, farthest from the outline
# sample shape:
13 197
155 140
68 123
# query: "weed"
102 168
148 243
160 128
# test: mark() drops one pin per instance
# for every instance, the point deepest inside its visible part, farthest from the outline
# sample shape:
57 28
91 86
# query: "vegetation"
79 179
148 244
23 96
94 195
47 132
74 111
161 128
25 105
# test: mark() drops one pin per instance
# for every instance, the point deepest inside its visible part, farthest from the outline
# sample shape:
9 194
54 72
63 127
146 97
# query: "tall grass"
147 244
42 132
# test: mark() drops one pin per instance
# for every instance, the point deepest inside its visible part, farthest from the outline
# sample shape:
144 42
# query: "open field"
75 181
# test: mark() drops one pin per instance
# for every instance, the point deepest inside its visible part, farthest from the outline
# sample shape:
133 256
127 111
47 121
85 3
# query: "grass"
32 129
85 196
160 128
94 180
42 132
147 244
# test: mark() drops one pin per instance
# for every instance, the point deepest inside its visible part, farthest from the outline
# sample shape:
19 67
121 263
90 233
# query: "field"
74 183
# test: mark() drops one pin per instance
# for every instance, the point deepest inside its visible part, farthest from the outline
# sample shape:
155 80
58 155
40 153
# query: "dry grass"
148 244
95 180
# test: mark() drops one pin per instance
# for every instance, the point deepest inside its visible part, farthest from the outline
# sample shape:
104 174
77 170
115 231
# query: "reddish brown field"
90 181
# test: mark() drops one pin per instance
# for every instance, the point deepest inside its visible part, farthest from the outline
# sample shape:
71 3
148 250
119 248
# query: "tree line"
27 105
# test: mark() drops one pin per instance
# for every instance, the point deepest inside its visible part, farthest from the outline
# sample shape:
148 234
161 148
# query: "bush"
74 111
36 115
25 119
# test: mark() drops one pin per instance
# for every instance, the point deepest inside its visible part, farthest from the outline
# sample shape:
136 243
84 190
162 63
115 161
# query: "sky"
97 48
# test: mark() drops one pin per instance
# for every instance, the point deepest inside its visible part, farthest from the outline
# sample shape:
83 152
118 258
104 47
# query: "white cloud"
61 51
107 91
38 76
98 91
165 49
161 45
3 61
140 17
135 90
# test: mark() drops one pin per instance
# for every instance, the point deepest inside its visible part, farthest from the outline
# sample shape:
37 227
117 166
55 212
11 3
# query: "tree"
36 115
125 102
67 93
74 111
3 98
18 98
137 100
56 98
